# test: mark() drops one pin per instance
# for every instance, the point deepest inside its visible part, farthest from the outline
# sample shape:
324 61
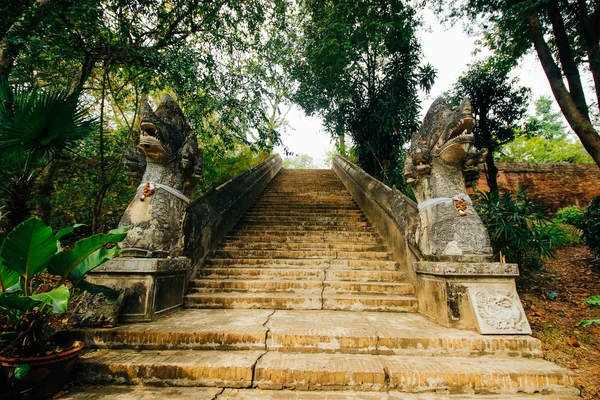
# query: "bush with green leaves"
591 225
571 215
518 227
38 279
593 301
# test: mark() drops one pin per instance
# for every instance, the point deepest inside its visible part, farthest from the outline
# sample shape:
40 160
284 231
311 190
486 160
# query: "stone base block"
156 285
473 296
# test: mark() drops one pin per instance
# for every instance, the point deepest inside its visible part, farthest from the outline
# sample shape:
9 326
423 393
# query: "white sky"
449 50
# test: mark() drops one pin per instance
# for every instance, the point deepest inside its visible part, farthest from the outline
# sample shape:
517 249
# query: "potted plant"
38 279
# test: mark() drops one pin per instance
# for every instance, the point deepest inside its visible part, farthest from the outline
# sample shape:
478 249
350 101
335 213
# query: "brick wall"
555 185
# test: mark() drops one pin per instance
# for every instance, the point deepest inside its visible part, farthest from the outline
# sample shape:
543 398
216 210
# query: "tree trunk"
17 205
45 189
342 144
579 123
591 36
567 59
492 172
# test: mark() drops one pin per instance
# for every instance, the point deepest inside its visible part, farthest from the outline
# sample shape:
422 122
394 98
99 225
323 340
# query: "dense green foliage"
498 103
226 63
299 161
591 225
26 299
359 70
544 139
571 215
565 37
518 227
37 126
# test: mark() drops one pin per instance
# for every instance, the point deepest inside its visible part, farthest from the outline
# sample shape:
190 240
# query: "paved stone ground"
303 295
171 393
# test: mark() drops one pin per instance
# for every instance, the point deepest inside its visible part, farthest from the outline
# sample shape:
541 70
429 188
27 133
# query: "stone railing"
210 217
392 213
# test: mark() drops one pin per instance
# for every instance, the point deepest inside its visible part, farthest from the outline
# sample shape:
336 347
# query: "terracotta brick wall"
555 185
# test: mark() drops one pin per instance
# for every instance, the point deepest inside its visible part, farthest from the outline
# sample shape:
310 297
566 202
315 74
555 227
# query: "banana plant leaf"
65 262
28 248
67 230
9 277
58 298
92 261
21 303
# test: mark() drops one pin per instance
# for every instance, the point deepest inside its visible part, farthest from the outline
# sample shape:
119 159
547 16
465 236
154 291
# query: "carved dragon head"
163 131
445 134
167 138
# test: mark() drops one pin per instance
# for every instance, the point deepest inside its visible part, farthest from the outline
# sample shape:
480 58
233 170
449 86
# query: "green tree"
36 127
544 139
299 161
498 104
566 38
359 69
214 56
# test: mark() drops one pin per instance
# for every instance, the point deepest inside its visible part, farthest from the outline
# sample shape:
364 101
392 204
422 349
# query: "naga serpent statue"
172 164
441 156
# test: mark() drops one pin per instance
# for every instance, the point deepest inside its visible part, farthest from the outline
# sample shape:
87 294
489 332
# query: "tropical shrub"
591 226
571 215
518 227
38 279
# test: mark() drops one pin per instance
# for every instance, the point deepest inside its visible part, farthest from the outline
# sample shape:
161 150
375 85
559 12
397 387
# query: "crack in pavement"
323 285
216 396
266 347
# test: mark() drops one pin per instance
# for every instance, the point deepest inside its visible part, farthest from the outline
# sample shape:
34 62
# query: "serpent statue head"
445 134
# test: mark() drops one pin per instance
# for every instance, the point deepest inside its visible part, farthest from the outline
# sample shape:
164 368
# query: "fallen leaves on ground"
574 276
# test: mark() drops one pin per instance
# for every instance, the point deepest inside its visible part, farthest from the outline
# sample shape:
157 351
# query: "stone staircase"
302 300
304 244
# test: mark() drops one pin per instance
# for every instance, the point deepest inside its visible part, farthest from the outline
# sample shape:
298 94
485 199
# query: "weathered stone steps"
301 371
204 393
316 299
376 265
277 272
245 285
298 235
283 229
308 332
287 246
303 254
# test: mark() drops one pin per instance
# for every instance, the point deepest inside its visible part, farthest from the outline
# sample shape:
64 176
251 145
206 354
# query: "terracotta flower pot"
47 374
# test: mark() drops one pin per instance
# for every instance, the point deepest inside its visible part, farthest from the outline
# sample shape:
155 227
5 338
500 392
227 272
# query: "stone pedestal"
473 296
156 285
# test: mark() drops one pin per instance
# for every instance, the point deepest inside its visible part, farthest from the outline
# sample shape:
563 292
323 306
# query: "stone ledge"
466 269
144 265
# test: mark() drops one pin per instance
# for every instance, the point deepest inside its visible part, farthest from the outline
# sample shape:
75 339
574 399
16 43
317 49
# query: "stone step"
208 393
304 239
293 212
303 254
307 262
306 219
283 229
271 285
277 272
292 234
274 206
301 223
243 272
301 371
242 245
302 300
310 332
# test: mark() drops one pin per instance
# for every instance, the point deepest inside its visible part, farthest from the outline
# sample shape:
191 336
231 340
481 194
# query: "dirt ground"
573 276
